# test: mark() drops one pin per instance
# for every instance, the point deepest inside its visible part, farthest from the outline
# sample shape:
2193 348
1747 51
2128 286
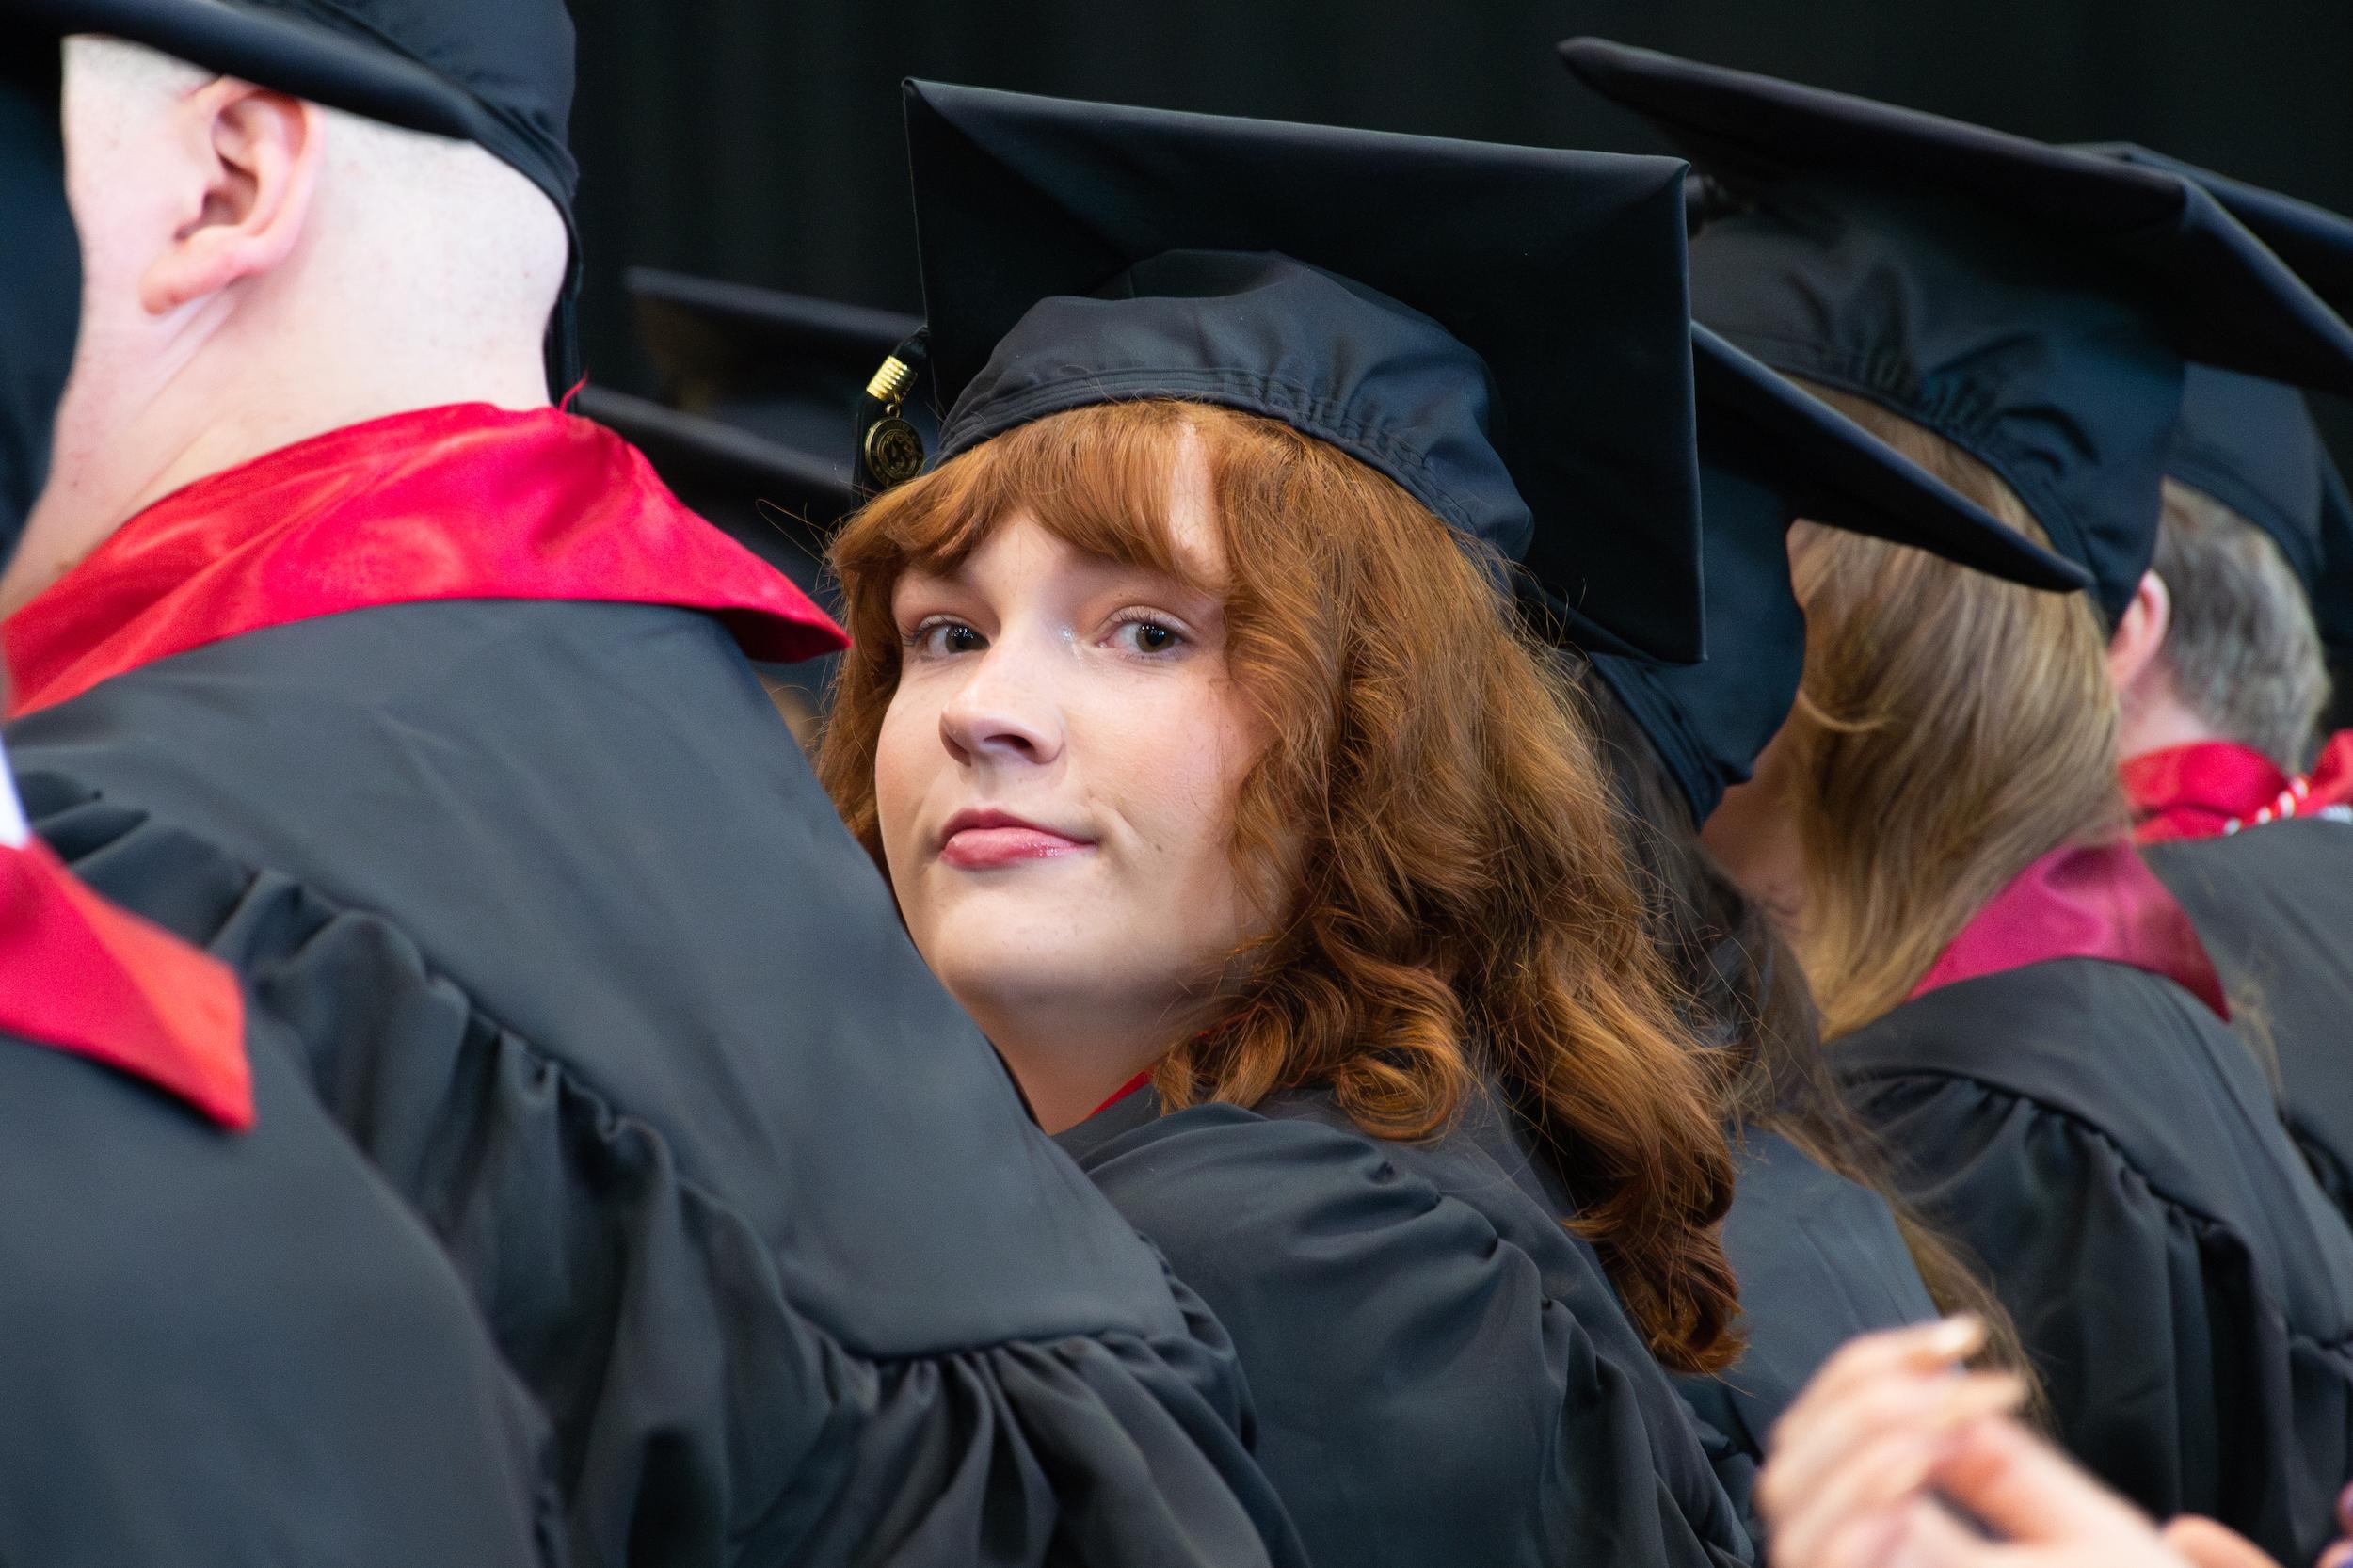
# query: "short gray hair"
2241 646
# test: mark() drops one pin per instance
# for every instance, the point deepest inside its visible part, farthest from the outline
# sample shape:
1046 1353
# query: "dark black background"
759 140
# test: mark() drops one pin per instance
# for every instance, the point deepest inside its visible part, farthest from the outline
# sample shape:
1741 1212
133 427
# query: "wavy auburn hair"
1457 910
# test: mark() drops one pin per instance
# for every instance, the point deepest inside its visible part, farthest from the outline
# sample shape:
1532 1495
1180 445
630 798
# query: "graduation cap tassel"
890 450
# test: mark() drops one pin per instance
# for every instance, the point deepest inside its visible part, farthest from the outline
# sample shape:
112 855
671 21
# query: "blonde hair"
1952 728
1457 911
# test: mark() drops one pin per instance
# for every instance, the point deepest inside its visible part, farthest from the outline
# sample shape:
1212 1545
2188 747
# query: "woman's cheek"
900 779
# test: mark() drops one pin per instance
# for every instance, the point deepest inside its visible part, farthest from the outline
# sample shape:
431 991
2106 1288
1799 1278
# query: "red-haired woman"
1213 774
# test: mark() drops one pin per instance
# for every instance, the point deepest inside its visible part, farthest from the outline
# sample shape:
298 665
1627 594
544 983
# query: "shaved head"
258 270
437 233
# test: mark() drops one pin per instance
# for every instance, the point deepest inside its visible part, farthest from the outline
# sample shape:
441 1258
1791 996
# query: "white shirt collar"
13 831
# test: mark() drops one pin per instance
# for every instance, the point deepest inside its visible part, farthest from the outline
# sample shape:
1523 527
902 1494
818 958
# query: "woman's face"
1055 781
1752 833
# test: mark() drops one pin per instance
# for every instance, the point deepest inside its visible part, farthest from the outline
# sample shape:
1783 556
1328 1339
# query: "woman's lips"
974 848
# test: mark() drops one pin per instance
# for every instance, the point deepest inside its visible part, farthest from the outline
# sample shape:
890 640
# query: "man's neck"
198 425
2153 718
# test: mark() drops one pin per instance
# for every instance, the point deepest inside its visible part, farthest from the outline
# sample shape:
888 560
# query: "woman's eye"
938 638
1144 636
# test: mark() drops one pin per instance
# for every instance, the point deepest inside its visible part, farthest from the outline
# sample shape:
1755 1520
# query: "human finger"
1921 1407
1922 1348
2030 1491
1874 1482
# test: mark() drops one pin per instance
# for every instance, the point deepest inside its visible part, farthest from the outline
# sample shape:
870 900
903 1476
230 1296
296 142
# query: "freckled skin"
1092 699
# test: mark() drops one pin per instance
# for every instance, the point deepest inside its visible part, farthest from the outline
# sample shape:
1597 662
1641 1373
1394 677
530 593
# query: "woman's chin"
996 954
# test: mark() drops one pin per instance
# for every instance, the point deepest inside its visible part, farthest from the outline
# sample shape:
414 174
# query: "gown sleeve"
714 1399
2171 1369
1425 1388
229 1350
1821 1261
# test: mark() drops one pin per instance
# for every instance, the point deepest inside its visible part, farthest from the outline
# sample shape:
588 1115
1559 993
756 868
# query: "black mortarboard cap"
2251 443
2032 304
787 367
497 72
1770 453
2315 242
41 272
1501 331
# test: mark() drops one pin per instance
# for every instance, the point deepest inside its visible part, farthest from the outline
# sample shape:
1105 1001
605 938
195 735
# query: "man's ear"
255 156
2140 633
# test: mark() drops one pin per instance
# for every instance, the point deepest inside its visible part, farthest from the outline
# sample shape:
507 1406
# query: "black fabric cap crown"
1501 331
497 72
2251 443
2029 303
1770 453
41 272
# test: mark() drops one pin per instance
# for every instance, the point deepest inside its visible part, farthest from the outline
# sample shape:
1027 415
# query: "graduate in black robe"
1820 1255
2261 857
451 750
228 1342
2274 903
2262 860
758 379
2059 1087
1442 1369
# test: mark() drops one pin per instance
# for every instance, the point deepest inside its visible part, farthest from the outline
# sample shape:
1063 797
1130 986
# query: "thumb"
2030 1492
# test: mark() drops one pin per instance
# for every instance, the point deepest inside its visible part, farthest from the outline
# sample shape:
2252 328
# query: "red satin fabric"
2201 791
2196 791
2091 901
463 502
82 976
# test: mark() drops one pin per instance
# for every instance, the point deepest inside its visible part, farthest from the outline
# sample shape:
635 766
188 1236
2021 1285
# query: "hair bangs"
1098 478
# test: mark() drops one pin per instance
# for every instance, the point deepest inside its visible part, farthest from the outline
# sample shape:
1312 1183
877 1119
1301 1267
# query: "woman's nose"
1004 710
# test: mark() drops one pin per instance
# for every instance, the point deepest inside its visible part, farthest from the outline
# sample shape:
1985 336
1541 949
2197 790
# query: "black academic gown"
2109 1151
2274 904
1442 1373
231 1349
1819 1260
573 946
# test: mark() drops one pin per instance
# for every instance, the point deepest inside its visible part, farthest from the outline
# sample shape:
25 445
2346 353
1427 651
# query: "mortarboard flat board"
1769 454
2251 443
2311 239
1501 331
499 76
2030 303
